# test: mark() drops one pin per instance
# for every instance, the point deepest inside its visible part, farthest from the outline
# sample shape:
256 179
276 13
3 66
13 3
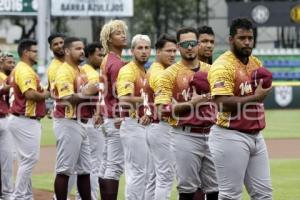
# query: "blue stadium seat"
268 63
281 63
286 75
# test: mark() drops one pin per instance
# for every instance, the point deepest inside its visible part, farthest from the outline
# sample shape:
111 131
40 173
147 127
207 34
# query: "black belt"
82 120
196 129
29 117
2 115
156 121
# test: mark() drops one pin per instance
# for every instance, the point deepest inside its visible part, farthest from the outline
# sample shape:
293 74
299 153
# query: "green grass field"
285 173
285 180
280 124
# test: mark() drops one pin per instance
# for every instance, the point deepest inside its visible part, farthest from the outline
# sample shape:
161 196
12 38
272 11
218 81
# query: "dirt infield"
284 148
42 195
278 149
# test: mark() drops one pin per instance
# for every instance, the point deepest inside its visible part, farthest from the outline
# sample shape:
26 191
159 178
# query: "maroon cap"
264 74
200 82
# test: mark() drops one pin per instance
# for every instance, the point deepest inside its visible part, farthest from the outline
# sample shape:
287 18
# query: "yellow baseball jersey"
132 80
174 84
2 76
23 79
68 81
51 73
153 74
93 78
91 73
176 74
230 77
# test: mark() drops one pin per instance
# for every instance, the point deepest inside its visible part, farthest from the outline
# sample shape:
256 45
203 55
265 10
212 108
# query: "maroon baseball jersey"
68 82
110 71
176 84
22 79
132 80
228 76
4 96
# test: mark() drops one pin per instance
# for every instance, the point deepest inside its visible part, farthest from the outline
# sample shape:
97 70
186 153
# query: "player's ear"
158 51
230 39
67 51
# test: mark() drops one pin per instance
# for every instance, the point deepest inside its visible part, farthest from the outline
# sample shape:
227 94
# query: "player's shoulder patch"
219 84
27 82
64 87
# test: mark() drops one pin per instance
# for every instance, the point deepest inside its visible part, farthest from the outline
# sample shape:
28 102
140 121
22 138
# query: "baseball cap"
264 74
200 82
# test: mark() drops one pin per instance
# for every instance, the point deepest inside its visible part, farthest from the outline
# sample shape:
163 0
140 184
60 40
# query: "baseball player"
114 39
132 89
206 44
162 150
27 100
190 119
7 64
238 147
206 41
56 43
94 54
72 143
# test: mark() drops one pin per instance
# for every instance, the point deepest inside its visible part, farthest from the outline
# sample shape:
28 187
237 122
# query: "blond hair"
139 37
108 29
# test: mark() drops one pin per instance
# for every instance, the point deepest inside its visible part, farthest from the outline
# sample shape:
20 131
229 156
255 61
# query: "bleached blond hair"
138 38
108 29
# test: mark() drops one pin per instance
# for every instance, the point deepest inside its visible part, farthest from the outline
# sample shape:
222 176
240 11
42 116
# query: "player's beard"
77 60
141 61
34 61
59 54
242 52
189 58
7 71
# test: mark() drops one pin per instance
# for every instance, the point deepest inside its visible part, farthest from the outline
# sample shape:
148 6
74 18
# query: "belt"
29 117
2 115
251 132
82 120
195 129
156 121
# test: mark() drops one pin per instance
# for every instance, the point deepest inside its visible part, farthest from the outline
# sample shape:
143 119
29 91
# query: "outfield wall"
284 95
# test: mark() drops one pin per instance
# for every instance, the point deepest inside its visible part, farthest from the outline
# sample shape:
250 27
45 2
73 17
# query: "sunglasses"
188 43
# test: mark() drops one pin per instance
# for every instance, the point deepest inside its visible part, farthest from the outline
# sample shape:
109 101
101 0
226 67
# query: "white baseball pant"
161 146
240 158
6 159
113 165
26 135
194 164
72 147
133 137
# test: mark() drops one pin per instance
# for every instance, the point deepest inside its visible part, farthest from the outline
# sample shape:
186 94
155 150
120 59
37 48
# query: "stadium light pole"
42 32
